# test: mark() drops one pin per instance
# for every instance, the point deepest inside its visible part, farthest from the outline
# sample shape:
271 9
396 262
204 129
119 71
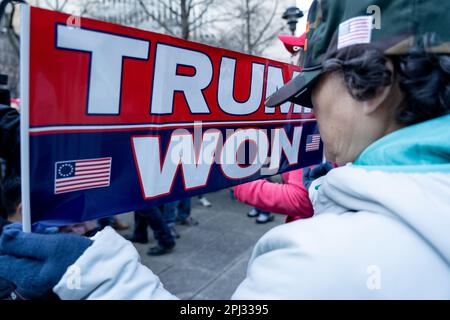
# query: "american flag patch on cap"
78 175
355 31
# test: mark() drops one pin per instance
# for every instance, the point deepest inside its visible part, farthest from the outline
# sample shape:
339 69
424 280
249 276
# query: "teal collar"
421 147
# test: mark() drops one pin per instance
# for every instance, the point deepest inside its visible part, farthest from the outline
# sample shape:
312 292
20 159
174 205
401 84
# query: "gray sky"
304 6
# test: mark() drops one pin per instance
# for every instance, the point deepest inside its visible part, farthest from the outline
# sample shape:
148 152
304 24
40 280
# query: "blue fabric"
154 217
3 223
420 147
312 173
184 209
169 212
36 262
124 193
44 228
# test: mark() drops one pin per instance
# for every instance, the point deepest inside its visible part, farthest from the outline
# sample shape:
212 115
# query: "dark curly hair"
424 79
10 194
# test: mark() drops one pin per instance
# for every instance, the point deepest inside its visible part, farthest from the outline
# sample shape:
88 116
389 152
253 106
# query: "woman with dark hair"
381 221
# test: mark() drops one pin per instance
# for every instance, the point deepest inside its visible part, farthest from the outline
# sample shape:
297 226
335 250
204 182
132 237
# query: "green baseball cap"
396 27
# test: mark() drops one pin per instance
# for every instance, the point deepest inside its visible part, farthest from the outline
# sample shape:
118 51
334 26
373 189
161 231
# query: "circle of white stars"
65 165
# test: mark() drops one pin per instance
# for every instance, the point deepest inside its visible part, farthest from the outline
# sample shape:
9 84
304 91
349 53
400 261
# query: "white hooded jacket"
381 230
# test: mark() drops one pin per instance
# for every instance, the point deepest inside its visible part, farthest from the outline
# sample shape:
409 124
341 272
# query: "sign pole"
24 115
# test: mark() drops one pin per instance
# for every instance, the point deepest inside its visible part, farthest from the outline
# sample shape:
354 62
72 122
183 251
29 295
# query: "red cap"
292 41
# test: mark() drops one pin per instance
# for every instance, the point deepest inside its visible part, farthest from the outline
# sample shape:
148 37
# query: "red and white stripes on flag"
312 142
78 175
355 31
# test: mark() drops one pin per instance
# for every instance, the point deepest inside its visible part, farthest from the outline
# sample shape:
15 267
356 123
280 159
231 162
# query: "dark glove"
314 172
36 262
7 290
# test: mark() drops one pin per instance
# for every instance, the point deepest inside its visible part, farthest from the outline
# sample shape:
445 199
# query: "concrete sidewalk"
209 260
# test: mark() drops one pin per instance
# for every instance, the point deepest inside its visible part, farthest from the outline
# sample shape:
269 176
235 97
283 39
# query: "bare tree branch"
254 26
165 5
206 5
270 37
267 25
56 5
160 22
190 4
201 3
207 22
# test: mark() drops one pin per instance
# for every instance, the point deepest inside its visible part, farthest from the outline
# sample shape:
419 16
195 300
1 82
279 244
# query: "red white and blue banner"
116 119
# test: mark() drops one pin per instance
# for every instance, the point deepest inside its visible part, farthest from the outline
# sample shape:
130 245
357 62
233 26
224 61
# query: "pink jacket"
290 198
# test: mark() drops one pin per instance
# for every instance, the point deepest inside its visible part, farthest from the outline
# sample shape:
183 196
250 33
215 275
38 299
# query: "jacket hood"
406 176
421 147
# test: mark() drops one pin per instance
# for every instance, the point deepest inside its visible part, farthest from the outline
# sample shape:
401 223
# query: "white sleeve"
110 269
305 259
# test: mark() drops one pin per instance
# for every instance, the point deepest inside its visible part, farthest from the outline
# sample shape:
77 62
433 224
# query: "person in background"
295 46
203 201
113 222
260 215
9 132
184 213
9 139
86 228
290 198
156 218
11 200
178 212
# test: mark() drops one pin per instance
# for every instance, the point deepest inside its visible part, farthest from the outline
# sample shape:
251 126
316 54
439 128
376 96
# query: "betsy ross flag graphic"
355 31
78 175
312 142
